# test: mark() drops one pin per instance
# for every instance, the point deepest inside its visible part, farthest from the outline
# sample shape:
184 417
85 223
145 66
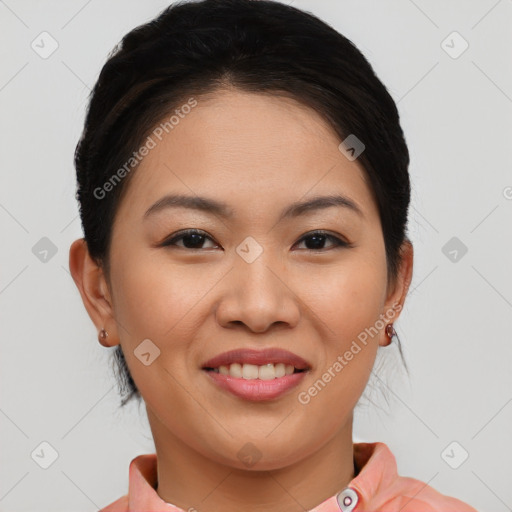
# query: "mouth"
256 375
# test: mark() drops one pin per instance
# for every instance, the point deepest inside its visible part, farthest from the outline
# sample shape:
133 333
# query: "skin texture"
258 154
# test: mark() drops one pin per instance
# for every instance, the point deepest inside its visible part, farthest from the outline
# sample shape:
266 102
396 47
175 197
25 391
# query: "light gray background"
56 382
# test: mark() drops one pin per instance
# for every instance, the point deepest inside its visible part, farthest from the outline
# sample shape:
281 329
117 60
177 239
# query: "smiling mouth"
252 372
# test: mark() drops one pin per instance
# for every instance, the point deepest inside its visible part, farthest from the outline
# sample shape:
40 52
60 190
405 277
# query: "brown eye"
317 240
195 239
192 239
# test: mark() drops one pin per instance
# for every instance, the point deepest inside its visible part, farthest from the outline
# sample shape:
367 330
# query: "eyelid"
180 234
338 240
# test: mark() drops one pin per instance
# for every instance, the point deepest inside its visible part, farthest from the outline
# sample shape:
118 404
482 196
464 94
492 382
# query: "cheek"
349 298
348 305
159 302
153 298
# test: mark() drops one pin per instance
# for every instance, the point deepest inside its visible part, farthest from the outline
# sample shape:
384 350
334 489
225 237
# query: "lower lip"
256 389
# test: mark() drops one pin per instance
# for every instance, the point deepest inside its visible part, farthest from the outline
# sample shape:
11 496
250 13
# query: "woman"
243 187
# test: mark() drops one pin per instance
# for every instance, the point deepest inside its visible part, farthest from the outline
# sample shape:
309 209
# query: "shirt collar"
375 466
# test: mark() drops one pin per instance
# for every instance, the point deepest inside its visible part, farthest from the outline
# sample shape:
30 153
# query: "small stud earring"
103 335
390 331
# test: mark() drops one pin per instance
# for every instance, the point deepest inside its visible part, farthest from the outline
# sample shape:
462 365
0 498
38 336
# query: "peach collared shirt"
376 488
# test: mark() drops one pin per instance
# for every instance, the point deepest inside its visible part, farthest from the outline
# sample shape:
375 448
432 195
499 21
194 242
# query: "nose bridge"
256 293
257 282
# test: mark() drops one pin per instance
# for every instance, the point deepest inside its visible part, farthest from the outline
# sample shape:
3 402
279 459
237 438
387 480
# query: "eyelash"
338 242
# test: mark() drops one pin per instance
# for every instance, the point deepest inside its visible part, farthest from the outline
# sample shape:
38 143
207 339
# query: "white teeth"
280 370
267 372
251 371
235 370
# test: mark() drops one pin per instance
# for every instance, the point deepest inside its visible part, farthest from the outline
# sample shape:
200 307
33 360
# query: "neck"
189 480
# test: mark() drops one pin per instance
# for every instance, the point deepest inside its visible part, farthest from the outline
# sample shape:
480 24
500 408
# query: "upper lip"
257 357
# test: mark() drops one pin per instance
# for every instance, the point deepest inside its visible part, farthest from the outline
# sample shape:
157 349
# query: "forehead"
247 148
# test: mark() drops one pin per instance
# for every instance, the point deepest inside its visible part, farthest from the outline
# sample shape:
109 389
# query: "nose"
257 295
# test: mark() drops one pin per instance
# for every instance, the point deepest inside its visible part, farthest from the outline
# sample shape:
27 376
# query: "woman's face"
254 281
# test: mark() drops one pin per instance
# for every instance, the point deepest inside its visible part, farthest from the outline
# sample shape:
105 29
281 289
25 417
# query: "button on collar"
347 499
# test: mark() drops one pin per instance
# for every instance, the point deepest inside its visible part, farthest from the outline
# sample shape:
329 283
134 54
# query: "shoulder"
120 505
381 487
410 494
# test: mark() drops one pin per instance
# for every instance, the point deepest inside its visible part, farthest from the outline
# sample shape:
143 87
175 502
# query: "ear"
397 290
92 284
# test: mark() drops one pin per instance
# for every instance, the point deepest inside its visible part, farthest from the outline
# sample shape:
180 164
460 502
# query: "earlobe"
90 281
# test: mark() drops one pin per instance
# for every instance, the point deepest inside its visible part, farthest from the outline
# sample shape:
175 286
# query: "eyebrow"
213 206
